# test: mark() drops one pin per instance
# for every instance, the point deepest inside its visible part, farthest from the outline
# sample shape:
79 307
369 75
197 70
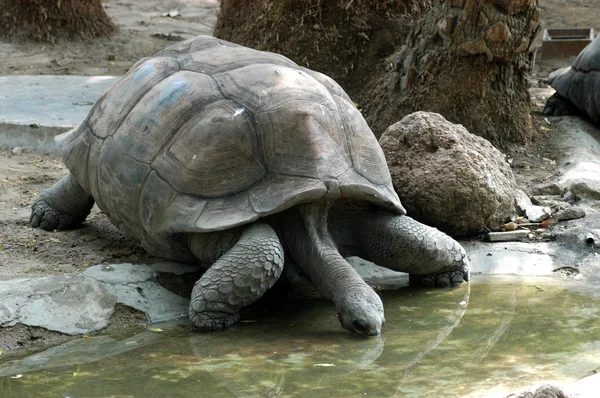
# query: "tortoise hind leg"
429 256
558 105
64 205
237 279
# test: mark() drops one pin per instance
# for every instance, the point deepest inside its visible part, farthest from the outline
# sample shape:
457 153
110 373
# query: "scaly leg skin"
63 206
237 279
429 256
558 105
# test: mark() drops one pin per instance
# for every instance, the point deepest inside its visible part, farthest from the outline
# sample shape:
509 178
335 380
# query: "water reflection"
493 336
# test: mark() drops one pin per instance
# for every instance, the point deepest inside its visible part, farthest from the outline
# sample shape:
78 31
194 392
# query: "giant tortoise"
577 86
240 161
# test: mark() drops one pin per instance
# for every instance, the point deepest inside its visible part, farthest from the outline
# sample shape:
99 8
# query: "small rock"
569 197
522 202
537 213
548 188
510 226
508 235
111 57
538 199
17 150
555 202
571 213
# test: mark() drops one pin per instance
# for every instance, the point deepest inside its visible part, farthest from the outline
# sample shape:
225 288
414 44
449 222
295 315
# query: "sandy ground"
143 29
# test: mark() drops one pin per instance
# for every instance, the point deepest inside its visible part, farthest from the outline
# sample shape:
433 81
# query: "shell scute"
159 116
215 154
108 113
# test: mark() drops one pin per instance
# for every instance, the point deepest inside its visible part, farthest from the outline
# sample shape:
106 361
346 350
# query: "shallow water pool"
489 337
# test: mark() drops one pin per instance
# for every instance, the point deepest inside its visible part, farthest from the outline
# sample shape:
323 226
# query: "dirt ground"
144 27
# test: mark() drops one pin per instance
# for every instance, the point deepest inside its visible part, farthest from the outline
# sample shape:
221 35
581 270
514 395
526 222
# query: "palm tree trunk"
48 20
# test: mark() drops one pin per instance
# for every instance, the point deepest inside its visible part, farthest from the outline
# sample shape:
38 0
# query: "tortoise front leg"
64 205
237 279
429 256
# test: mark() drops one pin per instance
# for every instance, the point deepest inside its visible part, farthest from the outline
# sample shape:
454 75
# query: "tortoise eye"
360 326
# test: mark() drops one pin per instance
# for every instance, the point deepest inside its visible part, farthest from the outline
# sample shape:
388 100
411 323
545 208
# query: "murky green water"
490 337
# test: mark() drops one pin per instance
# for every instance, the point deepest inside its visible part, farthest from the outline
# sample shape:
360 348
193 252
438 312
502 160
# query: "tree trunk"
467 60
343 38
47 20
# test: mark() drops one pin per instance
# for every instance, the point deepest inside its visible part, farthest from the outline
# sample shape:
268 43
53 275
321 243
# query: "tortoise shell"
208 135
580 83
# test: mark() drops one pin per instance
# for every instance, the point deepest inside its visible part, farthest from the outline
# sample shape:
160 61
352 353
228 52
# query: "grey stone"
135 285
537 213
376 276
447 177
569 197
70 304
548 188
555 202
83 303
571 213
522 202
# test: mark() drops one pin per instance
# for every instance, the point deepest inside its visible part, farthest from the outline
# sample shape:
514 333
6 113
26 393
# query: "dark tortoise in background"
577 86
240 160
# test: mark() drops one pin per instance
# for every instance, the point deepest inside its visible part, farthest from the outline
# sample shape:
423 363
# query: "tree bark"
48 20
467 60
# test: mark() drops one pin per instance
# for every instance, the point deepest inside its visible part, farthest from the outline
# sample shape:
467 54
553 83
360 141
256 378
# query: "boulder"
545 391
447 177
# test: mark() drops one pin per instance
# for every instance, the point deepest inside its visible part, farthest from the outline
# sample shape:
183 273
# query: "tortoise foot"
212 320
64 205
45 216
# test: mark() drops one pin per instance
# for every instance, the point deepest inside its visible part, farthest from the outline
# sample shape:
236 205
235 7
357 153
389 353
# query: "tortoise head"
361 311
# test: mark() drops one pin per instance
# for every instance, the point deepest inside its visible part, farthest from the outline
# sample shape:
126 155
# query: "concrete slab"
33 109
512 258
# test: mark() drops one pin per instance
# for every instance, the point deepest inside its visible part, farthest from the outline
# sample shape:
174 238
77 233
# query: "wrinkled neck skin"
305 235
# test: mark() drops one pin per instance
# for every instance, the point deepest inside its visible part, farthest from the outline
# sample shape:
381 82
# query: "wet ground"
484 339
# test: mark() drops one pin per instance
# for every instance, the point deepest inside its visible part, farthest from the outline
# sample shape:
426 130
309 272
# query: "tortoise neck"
305 235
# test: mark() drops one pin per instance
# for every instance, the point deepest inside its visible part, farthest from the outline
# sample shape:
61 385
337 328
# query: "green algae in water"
484 337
